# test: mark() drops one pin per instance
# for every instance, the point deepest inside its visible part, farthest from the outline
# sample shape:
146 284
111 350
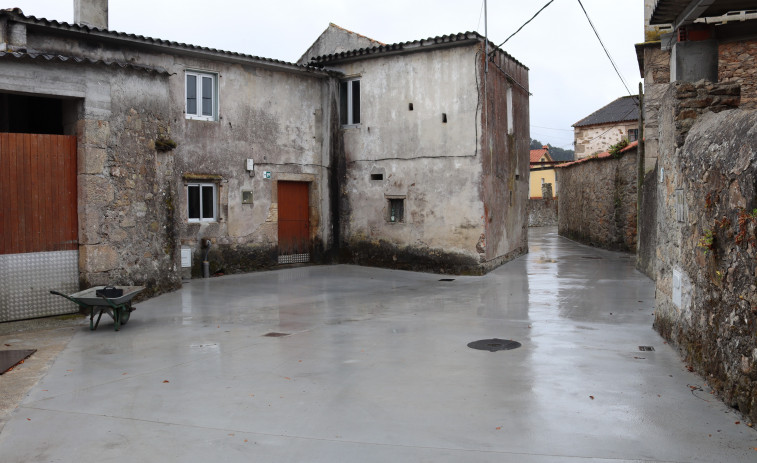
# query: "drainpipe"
205 262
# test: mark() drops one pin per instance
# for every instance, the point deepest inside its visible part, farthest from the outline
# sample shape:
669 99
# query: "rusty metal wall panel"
294 218
26 280
38 193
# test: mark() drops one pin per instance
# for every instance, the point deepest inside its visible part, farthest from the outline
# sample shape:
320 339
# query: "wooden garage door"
37 193
294 222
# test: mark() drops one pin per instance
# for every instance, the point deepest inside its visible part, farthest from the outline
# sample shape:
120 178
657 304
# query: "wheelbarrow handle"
69 298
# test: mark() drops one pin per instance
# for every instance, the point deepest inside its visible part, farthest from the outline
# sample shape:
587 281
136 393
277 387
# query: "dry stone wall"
542 212
597 202
706 289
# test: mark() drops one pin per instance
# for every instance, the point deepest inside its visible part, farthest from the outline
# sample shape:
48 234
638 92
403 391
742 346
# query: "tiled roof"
72 59
17 15
536 155
406 47
600 156
625 108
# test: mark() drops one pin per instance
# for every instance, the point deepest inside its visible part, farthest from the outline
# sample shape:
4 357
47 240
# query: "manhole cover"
275 335
493 345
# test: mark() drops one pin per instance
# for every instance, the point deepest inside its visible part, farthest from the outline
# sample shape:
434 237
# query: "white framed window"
201 95
201 202
349 102
633 135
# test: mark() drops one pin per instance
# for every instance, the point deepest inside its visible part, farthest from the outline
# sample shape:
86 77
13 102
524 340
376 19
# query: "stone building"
607 126
698 233
134 159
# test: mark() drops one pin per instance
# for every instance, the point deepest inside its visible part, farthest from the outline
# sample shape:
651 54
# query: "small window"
202 96
396 210
349 102
377 176
633 135
201 202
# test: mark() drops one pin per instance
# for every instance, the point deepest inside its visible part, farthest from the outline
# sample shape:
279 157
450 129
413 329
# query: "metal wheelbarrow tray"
119 308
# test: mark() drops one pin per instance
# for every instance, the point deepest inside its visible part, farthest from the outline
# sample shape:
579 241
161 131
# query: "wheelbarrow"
119 308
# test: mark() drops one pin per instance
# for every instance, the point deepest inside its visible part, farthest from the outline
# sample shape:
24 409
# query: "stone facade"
737 63
595 139
706 298
598 200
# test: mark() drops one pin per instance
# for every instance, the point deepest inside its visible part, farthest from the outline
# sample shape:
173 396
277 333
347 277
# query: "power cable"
480 14
605 49
550 128
524 24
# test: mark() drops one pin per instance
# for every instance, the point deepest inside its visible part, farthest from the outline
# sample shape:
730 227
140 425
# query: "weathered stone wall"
127 197
597 202
542 212
705 288
647 226
737 63
595 139
656 81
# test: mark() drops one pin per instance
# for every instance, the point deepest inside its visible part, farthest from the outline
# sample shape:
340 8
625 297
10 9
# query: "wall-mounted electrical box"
250 165
246 197
186 257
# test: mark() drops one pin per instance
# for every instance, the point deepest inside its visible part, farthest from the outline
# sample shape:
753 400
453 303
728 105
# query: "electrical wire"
605 49
524 24
550 128
480 14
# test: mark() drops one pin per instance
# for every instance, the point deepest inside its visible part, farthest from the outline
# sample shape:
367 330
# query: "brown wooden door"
294 222
37 193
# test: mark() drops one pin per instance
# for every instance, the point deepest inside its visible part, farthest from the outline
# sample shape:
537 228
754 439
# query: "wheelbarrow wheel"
125 314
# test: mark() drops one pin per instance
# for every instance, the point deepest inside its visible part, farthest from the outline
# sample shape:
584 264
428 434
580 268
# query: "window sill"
202 119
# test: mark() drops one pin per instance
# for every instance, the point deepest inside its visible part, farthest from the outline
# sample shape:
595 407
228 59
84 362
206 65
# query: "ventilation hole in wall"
444 118
377 176
410 107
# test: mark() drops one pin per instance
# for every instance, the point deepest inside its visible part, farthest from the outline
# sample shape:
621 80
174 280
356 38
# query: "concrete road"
375 367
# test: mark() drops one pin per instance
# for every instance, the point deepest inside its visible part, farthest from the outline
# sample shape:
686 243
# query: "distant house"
599 130
542 172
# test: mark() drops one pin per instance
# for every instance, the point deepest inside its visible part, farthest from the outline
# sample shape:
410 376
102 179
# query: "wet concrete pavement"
375 367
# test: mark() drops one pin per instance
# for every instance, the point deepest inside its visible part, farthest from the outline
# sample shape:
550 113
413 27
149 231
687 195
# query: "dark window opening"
633 135
410 107
31 114
396 210
377 176
444 118
349 102
201 202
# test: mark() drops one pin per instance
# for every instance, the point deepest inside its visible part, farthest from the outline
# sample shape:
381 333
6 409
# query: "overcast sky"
570 75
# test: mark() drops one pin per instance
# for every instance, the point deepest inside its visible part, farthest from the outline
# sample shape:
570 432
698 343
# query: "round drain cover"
493 345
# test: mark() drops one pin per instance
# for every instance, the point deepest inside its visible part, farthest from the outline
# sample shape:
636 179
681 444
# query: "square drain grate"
646 348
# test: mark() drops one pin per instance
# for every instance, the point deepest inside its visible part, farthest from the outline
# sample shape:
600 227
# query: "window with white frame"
349 102
633 134
201 95
201 202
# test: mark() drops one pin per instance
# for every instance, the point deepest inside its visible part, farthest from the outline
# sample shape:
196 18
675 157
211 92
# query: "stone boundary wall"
597 201
706 291
542 212
737 63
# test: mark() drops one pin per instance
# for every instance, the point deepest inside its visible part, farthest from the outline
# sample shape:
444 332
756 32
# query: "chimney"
92 13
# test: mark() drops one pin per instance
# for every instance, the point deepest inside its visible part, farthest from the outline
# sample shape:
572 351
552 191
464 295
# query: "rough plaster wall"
598 138
433 164
598 202
336 40
505 159
737 63
714 166
276 119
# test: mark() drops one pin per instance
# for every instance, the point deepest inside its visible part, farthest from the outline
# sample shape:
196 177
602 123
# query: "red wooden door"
294 220
37 193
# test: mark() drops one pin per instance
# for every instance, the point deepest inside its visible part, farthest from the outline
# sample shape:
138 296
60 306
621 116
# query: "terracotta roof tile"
599 156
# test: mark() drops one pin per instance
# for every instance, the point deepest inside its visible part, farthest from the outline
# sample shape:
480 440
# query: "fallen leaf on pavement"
498 428
165 380
591 397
